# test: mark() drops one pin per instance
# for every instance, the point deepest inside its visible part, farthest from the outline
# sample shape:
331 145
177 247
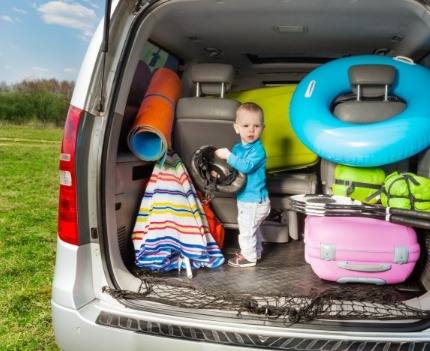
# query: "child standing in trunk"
249 157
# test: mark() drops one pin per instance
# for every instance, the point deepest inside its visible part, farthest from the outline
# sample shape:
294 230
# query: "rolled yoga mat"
149 137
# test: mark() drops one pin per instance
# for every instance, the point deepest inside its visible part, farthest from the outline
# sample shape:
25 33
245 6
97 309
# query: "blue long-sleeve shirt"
250 159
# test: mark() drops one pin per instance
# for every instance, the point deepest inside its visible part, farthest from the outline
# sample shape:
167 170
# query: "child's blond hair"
253 107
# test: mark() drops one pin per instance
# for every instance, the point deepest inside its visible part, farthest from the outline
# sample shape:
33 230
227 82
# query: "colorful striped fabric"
171 222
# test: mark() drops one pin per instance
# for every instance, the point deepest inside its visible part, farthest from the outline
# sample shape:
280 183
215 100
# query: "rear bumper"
99 326
91 328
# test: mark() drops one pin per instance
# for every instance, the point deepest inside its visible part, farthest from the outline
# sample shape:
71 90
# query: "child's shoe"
240 261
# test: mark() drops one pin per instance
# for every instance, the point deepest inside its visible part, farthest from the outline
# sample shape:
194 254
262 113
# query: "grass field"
28 220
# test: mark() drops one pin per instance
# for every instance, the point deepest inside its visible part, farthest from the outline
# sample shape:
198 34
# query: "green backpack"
407 191
358 183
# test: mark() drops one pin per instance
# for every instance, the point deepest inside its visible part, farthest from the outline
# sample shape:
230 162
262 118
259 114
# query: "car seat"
424 163
207 119
369 102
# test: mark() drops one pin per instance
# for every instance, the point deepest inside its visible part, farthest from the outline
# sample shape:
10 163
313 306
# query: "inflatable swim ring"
362 145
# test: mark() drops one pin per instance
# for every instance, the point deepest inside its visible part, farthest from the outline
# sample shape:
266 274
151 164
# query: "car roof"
272 42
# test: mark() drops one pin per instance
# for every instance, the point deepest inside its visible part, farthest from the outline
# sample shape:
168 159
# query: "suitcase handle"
364 268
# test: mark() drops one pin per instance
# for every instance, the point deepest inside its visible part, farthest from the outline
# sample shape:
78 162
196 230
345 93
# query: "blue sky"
45 39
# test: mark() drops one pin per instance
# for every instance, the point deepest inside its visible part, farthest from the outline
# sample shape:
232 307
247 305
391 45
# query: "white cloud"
17 10
6 18
83 37
39 69
71 15
70 70
89 2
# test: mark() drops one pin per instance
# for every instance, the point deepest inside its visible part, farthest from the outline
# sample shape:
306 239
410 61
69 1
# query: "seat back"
424 163
203 121
207 119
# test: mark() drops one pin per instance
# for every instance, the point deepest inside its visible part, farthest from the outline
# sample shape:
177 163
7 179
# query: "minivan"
190 63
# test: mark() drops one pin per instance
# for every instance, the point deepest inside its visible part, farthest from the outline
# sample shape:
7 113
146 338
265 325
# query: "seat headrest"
212 78
371 80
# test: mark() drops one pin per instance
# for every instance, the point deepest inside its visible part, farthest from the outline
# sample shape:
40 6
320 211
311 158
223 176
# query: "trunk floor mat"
282 271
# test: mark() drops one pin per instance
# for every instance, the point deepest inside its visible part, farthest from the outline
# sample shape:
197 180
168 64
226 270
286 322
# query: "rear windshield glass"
155 58
151 59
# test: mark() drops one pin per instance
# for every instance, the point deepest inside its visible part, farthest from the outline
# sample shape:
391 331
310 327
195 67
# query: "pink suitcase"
361 250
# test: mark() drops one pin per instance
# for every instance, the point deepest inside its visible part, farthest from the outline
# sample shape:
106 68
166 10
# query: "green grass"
28 220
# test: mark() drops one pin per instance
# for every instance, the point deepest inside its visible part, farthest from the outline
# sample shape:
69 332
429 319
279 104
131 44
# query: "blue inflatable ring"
362 145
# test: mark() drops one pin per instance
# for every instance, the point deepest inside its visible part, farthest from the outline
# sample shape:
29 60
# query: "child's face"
249 125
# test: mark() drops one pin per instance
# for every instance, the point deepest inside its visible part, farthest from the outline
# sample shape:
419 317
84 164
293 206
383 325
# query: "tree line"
40 100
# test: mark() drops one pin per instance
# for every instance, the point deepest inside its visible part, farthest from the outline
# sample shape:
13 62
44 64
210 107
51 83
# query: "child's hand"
214 174
223 153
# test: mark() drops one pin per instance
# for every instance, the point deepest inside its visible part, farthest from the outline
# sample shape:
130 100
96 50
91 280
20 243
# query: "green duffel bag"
407 191
358 183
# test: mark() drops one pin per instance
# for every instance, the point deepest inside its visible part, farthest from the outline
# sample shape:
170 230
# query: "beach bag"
358 183
407 191
215 226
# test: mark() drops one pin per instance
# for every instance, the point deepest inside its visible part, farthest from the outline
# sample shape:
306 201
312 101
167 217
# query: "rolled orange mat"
149 137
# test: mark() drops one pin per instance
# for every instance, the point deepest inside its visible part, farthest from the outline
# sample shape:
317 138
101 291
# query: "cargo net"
348 303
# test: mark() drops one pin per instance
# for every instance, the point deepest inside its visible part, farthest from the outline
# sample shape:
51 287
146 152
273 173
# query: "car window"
156 57
151 59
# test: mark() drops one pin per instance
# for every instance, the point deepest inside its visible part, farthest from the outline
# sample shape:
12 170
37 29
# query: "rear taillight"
67 210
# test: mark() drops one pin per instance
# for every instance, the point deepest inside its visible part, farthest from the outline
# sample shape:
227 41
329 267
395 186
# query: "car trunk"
281 289
282 286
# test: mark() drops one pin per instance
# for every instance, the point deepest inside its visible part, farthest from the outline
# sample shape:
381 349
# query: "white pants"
250 216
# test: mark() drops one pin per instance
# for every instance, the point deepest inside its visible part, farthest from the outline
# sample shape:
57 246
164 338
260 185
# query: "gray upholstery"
204 121
372 80
208 109
424 163
212 78
371 85
362 112
285 183
208 121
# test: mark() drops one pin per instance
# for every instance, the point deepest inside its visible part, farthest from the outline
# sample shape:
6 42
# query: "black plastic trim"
83 142
257 341
317 324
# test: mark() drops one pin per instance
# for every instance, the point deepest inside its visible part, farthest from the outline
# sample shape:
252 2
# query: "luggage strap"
408 179
352 184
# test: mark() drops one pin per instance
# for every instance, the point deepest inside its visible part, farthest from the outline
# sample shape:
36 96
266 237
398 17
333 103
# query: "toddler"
249 157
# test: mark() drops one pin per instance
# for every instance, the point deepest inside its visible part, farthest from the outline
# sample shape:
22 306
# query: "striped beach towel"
171 222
